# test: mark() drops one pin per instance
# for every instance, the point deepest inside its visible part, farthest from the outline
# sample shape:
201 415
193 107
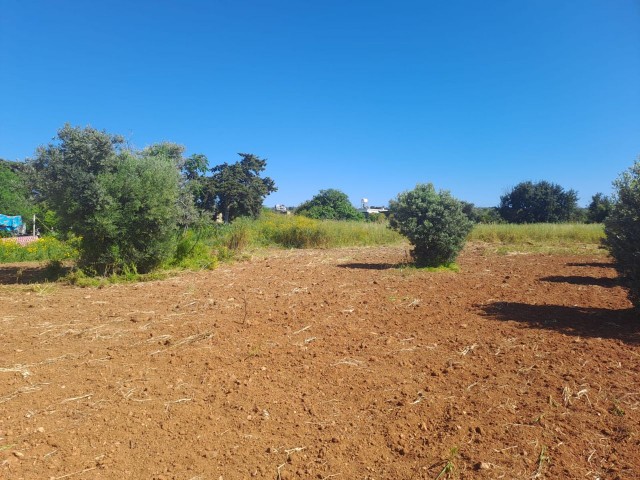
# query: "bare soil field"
325 364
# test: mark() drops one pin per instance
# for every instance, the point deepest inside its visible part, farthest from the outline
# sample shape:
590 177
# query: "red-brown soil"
321 364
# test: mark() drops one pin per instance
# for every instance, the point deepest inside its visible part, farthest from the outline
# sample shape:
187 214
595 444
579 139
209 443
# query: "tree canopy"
622 229
237 190
599 208
542 202
66 173
15 198
329 204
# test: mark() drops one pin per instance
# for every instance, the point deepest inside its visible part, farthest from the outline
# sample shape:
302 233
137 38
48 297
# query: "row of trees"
127 205
527 202
234 190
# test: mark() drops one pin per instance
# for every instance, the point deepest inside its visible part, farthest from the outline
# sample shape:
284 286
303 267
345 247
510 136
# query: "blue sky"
369 97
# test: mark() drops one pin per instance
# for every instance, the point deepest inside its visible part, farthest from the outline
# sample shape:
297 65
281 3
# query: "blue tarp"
10 224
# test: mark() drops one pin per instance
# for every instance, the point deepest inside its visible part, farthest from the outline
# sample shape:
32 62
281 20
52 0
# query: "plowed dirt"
320 364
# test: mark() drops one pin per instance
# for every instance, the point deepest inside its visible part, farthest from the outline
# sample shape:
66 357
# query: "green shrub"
135 228
329 204
434 223
14 194
239 234
192 251
622 229
122 203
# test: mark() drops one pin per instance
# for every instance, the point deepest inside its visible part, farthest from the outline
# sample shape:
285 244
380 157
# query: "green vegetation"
540 202
599 208
449 467
205 247
291 231
434 222
129 206
329 204
14 193
541 237
81 279
45 249
126 213
237 190
123 204
622 228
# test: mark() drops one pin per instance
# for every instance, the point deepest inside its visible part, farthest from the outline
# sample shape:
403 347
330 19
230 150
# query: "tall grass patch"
44 249
302 232
543 237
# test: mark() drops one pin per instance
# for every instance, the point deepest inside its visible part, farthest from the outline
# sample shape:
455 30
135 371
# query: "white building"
368 209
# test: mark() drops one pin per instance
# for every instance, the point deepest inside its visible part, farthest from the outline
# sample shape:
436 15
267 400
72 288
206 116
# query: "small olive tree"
137 225
434 222
123 204
622 229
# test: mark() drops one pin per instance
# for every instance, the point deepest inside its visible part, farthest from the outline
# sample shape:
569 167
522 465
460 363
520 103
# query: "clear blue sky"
370 97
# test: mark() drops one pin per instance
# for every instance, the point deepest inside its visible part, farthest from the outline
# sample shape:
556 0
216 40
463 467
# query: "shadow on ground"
24 275
622 325
592 264
584 280
372 266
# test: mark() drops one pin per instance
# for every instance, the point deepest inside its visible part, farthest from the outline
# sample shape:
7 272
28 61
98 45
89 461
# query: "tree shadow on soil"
591 264
24 275
584 280
622 325
371 266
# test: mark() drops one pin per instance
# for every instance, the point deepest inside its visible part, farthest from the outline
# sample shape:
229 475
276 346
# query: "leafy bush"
434 222
329 204
135 228
192 251
122 203
622 229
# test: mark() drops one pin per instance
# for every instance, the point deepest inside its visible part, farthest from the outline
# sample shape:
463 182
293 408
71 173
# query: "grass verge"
555 238
205 248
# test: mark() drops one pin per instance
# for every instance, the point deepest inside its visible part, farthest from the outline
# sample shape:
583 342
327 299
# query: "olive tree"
622 229
122 203
434 222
